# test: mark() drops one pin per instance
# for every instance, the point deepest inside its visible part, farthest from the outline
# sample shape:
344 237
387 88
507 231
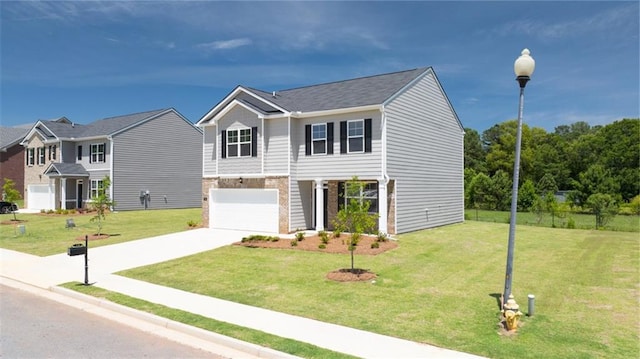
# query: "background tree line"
599 166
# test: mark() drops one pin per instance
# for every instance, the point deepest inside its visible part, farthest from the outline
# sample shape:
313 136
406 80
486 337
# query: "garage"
40 196
244 209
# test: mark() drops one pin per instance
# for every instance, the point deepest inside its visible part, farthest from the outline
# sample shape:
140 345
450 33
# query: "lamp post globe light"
523 67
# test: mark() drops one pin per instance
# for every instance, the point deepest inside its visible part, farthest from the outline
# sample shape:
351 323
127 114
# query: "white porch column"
382 206
319 205
63 193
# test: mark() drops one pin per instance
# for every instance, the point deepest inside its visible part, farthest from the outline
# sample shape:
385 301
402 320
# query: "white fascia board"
31 132
298 114
212 115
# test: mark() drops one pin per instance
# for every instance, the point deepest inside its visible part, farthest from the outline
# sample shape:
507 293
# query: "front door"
79 195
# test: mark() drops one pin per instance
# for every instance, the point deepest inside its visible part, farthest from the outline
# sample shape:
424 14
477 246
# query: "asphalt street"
36 327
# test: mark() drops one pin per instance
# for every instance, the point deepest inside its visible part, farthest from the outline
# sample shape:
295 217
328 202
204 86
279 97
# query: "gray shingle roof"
372 90
10 136
66 169
99 128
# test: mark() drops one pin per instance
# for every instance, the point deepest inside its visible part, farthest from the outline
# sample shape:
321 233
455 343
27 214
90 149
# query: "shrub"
43 211
322 246
300 236
259 237
192 224
571 223
375 245
294 243
337 233
382 237
324 237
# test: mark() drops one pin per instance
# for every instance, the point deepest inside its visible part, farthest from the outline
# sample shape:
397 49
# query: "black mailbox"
76 250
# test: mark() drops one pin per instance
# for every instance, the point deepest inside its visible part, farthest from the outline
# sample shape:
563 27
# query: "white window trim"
97 153
96 186
313 152
31 156
361 197
349 137
240 142
42 155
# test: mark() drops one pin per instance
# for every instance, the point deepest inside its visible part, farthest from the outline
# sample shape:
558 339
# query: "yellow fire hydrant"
511 313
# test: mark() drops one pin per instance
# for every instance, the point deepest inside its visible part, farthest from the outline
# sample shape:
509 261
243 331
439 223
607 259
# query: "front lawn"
45 234
440 287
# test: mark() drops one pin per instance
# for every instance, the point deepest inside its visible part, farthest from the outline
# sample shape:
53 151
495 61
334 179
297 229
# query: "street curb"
245 347
219 339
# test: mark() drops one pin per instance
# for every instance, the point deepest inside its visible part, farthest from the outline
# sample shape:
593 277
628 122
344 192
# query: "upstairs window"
319 139
41 156
31 156
52 152
97 153
239 143
355 136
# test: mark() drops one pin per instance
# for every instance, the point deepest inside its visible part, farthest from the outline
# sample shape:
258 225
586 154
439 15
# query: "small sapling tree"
354 216
603 206
101 202
11 194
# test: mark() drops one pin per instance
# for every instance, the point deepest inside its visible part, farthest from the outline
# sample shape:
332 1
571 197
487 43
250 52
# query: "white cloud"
225 44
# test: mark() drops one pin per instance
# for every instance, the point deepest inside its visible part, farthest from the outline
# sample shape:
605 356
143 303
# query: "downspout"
110 138
383 129
289 158
262 145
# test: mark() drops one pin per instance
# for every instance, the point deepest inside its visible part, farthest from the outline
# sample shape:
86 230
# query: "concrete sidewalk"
48 272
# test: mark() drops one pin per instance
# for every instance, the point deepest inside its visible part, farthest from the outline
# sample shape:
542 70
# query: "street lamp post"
523 68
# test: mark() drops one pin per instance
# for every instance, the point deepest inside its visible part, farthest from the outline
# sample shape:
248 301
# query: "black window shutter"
343 137
340 195
330 138
90 153
367 135
224 144
307 140
254 142
79 153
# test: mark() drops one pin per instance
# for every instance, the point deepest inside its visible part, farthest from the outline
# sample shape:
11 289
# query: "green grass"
624 223
45 234
440 287
248 335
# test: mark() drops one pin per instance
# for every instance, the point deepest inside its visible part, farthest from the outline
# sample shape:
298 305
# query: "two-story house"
278 161
11 157
148 157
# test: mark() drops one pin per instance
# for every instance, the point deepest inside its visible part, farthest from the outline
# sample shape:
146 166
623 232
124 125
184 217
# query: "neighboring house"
148 157
11 156
278 161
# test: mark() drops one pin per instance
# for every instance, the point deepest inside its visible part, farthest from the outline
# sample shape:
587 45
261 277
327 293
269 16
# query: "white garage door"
244 209
40 196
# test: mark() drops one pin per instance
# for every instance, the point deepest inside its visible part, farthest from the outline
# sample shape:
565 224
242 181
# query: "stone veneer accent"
281 183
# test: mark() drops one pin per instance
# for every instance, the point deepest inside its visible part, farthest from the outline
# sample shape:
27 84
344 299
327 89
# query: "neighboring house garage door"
39 196
244 209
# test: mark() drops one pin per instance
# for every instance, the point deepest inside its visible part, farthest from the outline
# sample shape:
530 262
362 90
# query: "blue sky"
91 60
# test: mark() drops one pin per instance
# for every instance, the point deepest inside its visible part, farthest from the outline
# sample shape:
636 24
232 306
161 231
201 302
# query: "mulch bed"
12 221
335 245
93 237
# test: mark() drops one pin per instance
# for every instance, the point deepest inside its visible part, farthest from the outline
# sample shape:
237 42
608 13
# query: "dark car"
7 207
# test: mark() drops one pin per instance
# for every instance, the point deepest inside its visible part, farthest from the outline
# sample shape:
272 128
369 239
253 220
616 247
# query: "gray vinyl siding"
160 156
338 165
209 148
86 153
425 157
301 205
68 152
238 118
276 141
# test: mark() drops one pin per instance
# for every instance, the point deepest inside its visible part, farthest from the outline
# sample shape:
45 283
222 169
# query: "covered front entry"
244 209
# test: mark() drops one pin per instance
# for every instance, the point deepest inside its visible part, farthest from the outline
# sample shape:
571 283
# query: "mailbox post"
79 249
